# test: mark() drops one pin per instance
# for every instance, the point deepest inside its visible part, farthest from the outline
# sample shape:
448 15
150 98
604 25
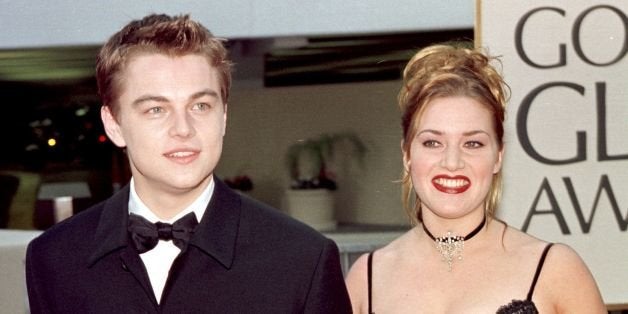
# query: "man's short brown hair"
169 35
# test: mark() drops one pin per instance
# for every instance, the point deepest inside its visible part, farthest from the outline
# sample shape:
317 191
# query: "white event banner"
566 162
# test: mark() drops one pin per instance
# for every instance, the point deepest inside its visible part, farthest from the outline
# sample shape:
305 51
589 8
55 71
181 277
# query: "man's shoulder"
70 232
83 226
268 221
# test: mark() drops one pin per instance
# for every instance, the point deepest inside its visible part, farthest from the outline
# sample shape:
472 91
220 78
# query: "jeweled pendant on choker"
451 246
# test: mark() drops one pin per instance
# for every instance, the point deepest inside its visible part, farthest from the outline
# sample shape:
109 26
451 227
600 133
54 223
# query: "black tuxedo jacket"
244 257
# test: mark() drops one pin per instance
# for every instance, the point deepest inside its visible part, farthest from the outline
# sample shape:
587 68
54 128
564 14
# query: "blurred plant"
309 160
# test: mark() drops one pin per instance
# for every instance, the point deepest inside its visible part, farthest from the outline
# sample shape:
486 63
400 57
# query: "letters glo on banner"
604 187
566 161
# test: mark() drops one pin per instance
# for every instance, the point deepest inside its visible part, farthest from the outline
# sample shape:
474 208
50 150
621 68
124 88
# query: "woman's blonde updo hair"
444 71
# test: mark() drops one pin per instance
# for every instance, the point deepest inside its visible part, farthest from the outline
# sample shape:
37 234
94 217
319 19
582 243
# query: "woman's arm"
357 285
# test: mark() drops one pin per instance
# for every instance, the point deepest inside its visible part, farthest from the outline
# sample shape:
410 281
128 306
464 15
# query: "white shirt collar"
136 206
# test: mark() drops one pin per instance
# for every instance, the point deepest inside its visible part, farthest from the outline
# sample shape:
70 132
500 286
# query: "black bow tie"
145 235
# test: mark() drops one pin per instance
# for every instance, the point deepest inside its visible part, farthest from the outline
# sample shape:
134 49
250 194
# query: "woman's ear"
500 160
112 127
406 158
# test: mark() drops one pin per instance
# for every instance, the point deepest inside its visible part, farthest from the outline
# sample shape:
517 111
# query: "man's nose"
181 124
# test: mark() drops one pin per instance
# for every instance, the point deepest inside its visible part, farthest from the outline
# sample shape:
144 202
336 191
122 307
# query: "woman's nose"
452 159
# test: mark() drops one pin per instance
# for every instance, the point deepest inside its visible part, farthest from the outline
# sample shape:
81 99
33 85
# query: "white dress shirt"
159 260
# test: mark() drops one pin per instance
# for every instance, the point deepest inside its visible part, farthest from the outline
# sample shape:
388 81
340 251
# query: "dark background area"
50 93
50 127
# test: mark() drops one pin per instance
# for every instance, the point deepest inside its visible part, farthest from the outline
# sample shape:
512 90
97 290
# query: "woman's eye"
431 143
473 144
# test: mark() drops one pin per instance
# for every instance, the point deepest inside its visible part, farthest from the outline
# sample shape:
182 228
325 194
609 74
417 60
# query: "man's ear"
224 122
112 128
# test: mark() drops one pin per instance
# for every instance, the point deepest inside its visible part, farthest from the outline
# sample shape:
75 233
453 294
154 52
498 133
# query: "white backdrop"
39 23
566 163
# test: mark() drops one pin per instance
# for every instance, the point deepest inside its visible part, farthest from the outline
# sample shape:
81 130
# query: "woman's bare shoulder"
396 247
357 277
357 284
569 282
516 240
565 283
358 271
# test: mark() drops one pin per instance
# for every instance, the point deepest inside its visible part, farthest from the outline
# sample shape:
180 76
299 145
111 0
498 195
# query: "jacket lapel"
112 236
132 263
215 235
111 233
217 231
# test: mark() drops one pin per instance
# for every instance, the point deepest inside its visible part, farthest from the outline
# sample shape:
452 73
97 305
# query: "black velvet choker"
450 246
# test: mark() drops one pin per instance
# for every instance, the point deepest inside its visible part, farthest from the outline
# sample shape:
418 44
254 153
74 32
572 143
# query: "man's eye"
201 106
155 110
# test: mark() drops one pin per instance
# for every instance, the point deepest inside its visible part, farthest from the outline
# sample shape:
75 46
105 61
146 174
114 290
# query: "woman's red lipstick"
451 185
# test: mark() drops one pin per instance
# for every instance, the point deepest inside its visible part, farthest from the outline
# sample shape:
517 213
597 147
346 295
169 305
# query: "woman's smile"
451 185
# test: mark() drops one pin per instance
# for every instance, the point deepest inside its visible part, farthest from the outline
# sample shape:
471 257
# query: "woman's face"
453 156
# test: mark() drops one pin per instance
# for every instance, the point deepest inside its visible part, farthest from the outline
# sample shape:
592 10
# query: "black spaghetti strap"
369 270
538 271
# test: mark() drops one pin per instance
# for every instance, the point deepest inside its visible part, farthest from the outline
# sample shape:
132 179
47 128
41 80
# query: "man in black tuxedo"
176 239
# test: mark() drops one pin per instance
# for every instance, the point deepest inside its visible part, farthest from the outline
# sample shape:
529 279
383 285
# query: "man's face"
171 119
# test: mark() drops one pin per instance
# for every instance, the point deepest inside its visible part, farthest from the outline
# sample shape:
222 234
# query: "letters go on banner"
566 162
